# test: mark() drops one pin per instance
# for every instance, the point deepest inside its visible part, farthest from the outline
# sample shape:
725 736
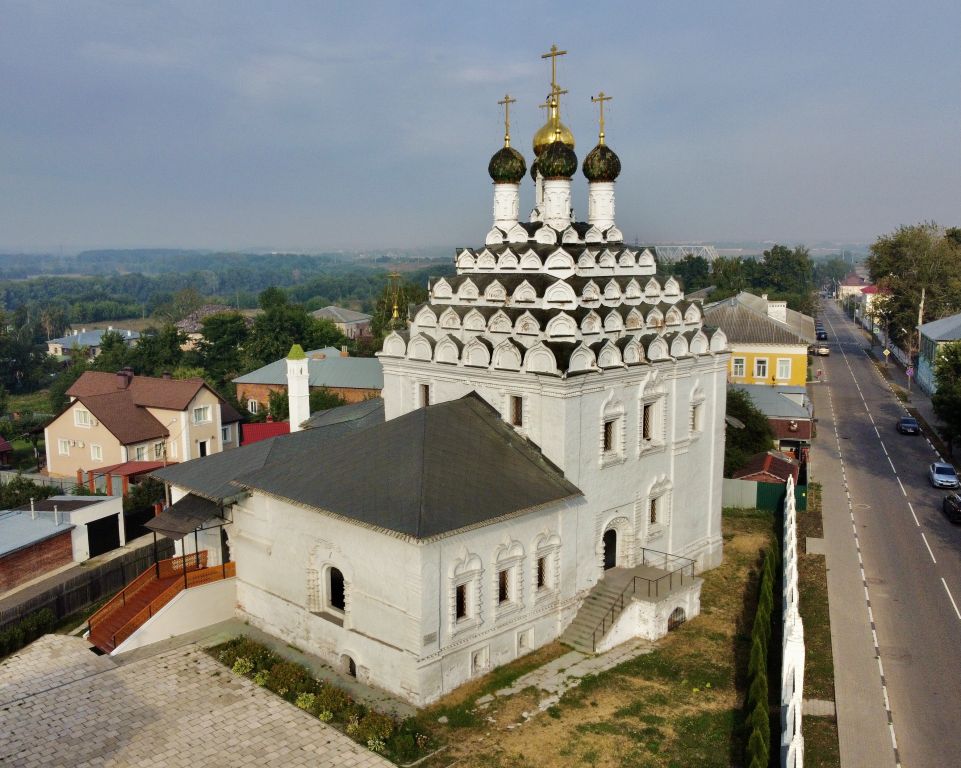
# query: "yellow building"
768 342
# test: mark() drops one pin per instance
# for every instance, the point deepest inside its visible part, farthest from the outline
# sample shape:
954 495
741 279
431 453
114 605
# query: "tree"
947 399
742 443
58 388
915 259
220 351
830 271
114 353
283 324
787 270
693 271
183 302
322 399
158 351
278 404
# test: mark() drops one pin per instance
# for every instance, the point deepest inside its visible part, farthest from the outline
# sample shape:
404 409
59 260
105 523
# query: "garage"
103 535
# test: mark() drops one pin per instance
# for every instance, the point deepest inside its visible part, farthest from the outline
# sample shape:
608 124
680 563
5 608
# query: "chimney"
298 389
109 327
344 352
33 510
123 378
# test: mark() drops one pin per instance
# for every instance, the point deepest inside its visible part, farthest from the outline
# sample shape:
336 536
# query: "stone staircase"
602 602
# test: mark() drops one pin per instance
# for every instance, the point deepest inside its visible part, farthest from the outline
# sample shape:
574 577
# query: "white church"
545 463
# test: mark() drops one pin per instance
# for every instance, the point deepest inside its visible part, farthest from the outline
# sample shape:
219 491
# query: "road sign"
887 352
910 372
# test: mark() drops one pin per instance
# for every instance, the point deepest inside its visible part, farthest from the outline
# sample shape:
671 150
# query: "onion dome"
507 166
553 130
534 169
558 161
601 164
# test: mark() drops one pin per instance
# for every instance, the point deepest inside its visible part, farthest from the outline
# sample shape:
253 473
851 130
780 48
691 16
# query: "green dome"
507 166
534 169
558 161
601 164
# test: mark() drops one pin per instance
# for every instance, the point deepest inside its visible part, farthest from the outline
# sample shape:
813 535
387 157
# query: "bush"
26 631
290 680
243 647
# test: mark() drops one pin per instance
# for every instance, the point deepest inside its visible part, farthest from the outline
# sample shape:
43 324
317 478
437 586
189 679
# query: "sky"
322 125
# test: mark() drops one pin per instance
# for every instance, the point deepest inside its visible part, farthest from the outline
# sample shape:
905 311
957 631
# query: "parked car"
908 426
822 350
942 475
951 506
822 335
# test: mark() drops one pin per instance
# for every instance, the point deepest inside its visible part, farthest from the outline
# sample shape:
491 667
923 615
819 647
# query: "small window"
460 602
503 586
652 511
158 450
336 592
737 367
784 368
141 453
201 414
81 418
609 436
647 425
760 368
63 447
424 395
96 452
541 572
253 406
696 417
225 434
517 410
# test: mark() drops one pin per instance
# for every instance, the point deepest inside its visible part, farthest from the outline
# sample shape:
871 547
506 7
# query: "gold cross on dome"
506 104
552 55
600 99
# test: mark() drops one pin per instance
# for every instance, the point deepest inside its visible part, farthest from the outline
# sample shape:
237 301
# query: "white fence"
792 658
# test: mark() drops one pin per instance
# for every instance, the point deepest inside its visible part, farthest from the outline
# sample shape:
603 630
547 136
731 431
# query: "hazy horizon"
312 128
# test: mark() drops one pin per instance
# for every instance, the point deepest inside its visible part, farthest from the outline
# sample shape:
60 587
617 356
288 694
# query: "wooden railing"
194 579
173 566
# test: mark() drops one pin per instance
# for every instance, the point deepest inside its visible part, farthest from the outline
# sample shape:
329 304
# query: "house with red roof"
113 419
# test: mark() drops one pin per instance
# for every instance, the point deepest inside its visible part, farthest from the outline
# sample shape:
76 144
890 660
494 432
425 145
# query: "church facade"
552 425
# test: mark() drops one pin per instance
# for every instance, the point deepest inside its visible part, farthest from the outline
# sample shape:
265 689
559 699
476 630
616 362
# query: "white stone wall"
649 620
792 659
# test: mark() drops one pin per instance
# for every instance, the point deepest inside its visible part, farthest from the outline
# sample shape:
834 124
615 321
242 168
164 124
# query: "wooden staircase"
136 603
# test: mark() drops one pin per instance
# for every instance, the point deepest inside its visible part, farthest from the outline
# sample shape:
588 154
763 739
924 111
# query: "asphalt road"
903 706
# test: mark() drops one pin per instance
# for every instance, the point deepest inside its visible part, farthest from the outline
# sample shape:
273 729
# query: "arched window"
336 590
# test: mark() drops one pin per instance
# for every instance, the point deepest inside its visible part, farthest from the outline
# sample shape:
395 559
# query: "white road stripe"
914 515
902 487
925 538
951 598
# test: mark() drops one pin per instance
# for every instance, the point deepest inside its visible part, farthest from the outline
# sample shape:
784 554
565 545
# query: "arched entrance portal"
676 618
610 549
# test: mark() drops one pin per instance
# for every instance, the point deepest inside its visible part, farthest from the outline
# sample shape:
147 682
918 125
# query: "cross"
552 55
506 104
600 99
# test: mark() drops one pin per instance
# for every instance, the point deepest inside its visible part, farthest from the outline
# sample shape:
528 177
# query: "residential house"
769 467
87 342
934 335
353 378
789 411
851 286
117 418
349 322
768 342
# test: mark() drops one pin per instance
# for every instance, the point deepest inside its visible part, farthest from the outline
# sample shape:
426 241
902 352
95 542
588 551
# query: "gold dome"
553 130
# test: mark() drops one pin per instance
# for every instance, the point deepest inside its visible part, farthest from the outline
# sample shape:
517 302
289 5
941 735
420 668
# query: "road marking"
904 492
951 598
892 465
914 515
925 539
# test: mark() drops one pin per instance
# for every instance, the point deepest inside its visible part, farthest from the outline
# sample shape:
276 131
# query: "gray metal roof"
183 517
356 416
429 472
18 530
743 325
341 315
331 370
945 329
772 402
92 338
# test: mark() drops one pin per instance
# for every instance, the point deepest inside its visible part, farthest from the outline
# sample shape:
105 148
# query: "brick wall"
35 560
260 392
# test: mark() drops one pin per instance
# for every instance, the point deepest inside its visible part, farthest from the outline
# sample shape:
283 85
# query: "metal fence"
88 588
65 484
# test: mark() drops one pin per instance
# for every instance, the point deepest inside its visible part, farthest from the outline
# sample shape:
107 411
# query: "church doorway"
335 589
610 549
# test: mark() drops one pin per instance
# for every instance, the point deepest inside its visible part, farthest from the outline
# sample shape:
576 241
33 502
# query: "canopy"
183 517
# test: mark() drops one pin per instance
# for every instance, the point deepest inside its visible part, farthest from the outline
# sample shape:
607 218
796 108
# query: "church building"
545 463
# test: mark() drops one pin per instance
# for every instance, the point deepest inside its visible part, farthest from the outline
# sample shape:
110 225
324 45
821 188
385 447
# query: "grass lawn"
820 733
32 402
678 706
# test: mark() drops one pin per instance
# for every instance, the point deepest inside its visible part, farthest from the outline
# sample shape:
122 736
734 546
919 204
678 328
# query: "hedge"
33 626
758 714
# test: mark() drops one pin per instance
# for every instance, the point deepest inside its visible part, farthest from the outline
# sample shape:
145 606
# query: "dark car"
951 506
908 426
822 335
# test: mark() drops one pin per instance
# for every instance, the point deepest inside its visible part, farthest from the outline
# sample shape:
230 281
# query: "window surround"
738 367
760 367
201 414
81 418
225 433
140 452
158 450
96 452
612 434
657 509
508 588
63 447
465 591
783 368
651 435
253 405
515 405
545 562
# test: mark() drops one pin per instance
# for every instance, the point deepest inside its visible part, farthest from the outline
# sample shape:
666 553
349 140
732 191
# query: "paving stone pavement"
60 705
